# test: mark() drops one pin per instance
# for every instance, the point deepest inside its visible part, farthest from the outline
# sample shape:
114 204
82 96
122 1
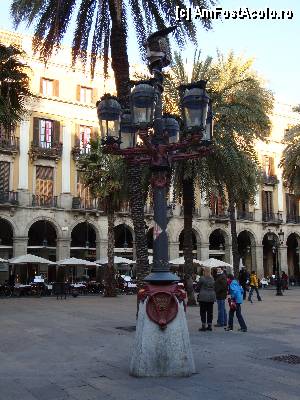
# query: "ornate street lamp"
195 106
161 299
127 131
270 235
281 236
208 133
171 127
109 114
143 105
45 241
125 244
275 249
87 243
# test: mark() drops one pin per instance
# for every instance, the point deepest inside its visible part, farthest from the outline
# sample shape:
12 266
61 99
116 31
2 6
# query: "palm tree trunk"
234 241
110 281
188 205
120 66
119 56
137 214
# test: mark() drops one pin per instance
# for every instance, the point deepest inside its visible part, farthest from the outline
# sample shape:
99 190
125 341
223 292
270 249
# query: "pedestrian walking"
235 305
221 295
284 281
244 280
253 286
206 299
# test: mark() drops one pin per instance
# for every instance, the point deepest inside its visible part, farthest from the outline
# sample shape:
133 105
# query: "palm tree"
106 22
109 21
14 86
241 105
290 161
105 176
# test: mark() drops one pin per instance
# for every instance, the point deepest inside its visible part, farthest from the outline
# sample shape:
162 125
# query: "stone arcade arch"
219 245
149 238
6 239
269 255
42 239
293 249
196 243
83 245
83 241
247 249
123 241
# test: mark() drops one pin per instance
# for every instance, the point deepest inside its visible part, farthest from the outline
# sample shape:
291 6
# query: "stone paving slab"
56 350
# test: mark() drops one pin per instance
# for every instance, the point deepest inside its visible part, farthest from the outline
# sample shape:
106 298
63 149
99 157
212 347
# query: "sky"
274 44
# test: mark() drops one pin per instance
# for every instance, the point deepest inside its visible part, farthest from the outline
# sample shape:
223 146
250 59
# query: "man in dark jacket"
221 294
243 279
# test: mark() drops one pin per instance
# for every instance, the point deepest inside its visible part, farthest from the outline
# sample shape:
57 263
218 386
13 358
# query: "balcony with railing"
245 215
219 217
9 198
79 203
80 151
9 144
292 219
40 200
196 212
271 180
47 150
125 208
272 218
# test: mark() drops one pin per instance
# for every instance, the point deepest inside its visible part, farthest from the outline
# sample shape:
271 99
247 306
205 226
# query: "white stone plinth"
158 352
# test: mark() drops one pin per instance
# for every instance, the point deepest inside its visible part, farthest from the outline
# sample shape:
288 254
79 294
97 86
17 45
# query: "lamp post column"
278 278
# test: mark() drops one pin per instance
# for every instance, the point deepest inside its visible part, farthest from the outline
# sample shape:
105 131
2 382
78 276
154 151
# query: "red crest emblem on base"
162 308
162 304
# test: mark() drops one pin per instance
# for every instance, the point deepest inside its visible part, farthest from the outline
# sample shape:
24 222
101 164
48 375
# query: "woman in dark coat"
206 299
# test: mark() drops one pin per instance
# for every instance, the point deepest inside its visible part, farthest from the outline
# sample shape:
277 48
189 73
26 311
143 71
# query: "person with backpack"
253 286
206 299
235 302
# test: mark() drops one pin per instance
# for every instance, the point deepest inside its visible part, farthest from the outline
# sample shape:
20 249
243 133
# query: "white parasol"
180 261
29 259
3 261
117 260
77 261
214 263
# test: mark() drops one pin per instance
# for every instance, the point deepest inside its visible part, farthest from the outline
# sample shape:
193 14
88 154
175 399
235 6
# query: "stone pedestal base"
158 352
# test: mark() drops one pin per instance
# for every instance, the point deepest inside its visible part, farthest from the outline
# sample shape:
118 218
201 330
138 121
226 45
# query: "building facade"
45 209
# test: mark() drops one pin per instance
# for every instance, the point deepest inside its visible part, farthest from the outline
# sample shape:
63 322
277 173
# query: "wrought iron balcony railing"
9 144
9 197
50 151
79 203
270 179
245 215
78 151
39 200
219 216
275 218
294 219
196 211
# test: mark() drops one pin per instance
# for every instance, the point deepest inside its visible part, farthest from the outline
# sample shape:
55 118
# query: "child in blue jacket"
236 294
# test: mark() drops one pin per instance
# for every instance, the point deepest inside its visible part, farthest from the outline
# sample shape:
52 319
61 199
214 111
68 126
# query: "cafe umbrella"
74 262
29 259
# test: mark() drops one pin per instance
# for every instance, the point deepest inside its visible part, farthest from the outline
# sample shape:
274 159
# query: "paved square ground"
70 349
